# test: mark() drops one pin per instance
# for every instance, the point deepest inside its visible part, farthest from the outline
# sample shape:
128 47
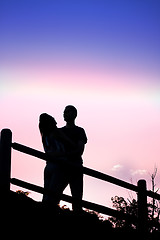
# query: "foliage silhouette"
131 207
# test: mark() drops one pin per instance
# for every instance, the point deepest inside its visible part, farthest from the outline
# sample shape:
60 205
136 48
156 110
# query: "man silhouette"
78 136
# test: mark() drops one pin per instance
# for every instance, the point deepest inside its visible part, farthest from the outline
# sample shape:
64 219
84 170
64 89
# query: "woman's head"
47 124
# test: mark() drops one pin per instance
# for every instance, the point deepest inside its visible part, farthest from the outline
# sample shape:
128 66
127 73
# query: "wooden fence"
6 146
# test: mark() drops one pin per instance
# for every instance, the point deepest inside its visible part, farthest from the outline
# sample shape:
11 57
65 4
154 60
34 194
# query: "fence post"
142 209
5 160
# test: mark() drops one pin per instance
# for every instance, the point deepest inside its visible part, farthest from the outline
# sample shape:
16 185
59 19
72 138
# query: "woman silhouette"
54 173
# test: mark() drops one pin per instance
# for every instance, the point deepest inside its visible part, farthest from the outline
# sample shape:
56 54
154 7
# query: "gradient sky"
101 56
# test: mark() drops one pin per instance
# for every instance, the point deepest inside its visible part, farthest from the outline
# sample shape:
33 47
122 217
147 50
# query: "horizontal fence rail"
64 197
86 171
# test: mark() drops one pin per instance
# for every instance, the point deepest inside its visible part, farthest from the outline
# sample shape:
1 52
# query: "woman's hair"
47 124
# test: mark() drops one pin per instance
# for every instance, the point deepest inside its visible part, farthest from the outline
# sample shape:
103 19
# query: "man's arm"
81 146
78 150
65 139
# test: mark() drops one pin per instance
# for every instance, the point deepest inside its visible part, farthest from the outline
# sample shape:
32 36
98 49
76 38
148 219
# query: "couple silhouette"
64 145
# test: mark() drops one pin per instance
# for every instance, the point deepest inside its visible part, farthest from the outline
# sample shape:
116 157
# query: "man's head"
70 113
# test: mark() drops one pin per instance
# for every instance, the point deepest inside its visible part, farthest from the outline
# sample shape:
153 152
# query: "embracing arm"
77 150
65 139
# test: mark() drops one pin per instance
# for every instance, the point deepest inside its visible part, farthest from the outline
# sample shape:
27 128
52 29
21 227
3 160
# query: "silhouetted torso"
76 134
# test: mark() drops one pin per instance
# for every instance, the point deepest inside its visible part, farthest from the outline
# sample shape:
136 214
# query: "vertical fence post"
5 160
142 209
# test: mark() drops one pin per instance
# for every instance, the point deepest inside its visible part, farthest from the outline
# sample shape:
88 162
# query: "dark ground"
22 217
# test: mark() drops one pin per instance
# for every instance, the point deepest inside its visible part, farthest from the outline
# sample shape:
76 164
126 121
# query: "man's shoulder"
79 128
82 134
74 128
75 133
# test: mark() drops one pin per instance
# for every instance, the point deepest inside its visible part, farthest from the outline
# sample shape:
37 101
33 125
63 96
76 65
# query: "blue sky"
117 33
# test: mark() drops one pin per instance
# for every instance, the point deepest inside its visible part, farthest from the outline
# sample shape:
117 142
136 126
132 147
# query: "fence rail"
86 171
66 198
5 168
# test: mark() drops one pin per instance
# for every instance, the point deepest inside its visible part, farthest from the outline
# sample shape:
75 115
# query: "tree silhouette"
128 207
